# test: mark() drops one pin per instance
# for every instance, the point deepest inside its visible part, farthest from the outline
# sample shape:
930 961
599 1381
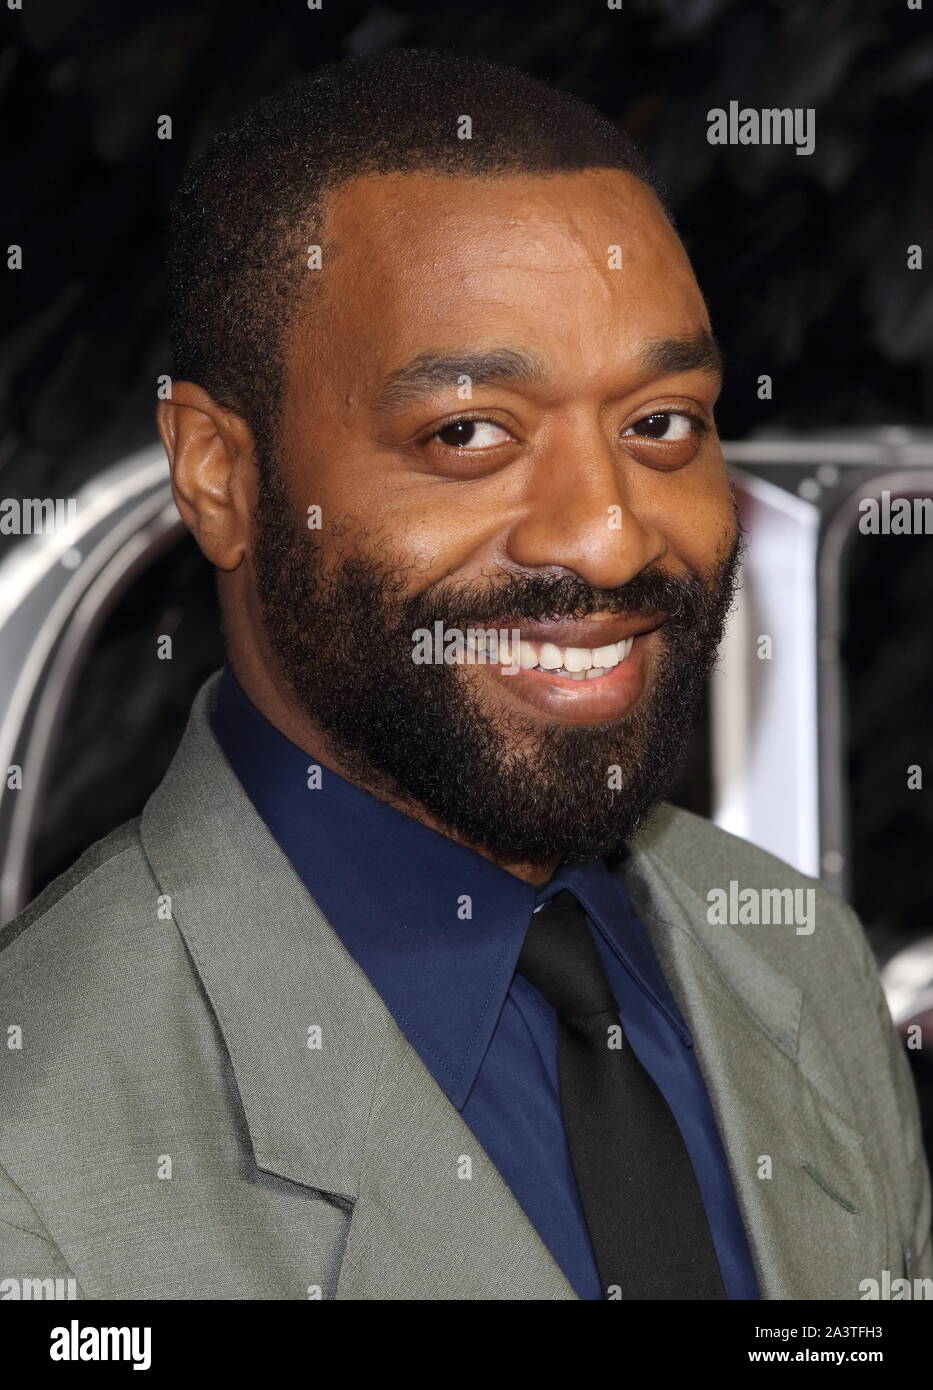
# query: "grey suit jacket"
166 1131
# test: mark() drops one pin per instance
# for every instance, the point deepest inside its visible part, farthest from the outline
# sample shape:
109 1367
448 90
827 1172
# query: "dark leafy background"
802 258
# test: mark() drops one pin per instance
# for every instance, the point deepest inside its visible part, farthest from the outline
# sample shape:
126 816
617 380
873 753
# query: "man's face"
500 397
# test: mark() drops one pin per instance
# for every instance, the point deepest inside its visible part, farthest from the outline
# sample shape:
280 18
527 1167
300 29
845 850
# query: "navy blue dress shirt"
438 930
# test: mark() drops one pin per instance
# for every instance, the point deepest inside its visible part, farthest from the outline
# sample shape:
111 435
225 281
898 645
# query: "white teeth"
583 663
577 659
579 663
606 656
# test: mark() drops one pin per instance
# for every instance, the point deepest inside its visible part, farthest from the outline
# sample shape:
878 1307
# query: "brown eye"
471 435
669 426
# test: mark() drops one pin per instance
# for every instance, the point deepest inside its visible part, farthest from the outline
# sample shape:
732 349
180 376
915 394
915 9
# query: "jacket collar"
270 965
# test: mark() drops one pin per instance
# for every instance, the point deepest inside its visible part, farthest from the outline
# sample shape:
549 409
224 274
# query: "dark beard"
343 639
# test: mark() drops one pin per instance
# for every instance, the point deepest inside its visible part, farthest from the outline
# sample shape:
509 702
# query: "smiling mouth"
573 663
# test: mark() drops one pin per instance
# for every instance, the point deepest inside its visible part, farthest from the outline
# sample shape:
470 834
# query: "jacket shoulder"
89 951
89 873
745 902
108 881
703 853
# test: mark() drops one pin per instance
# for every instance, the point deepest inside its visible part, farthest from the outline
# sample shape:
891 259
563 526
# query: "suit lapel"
813 1211
434 1218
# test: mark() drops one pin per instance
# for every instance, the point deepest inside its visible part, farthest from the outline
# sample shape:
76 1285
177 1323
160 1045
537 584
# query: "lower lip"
582 702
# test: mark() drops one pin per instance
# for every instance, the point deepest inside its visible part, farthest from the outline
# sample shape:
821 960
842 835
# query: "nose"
581 513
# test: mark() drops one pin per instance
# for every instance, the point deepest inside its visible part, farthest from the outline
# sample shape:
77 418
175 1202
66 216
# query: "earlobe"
210 454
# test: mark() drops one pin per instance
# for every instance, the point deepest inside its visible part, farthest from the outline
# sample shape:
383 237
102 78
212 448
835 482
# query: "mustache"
543 598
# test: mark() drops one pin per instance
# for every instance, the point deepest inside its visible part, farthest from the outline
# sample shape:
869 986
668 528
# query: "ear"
211 454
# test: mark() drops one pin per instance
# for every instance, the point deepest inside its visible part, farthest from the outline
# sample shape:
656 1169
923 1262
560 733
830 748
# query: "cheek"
431 543
693 510
420 541
365 505
426 530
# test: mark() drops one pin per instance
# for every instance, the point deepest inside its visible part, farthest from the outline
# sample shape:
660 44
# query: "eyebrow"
696 352
425 373
506 366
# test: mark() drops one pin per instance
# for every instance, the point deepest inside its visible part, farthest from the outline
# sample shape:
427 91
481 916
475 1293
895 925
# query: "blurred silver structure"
778 709
763 695
908 984
56 589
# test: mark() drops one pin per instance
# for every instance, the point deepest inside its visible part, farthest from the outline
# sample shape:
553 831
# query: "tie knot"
561 960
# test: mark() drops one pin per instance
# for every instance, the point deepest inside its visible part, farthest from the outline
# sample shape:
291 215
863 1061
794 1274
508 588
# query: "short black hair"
245 214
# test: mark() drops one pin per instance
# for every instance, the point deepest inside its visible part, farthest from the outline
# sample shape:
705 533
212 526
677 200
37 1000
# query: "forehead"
582 265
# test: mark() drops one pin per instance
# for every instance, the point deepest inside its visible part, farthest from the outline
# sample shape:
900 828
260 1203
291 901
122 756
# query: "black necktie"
640 1197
